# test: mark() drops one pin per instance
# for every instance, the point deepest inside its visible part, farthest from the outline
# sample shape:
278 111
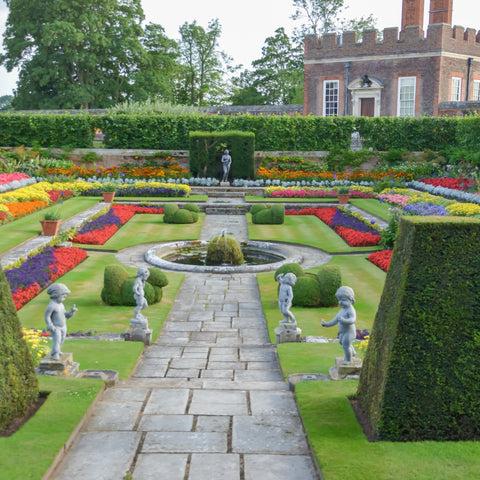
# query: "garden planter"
50 227
343 198
108 196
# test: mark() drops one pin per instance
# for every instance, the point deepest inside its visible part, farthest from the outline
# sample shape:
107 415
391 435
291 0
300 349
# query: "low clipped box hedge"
207 148
421 375
174 214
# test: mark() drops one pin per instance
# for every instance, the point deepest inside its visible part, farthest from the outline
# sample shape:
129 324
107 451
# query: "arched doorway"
366 94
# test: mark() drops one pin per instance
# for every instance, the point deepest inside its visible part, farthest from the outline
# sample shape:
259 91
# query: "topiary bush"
421 376
114 277
272 215
306 291
18 381
257 208
157 278
294 268
186 214
329 280
224 250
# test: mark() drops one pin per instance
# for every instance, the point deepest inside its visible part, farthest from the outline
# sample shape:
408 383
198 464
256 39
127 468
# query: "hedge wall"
47 130
206 150
421 375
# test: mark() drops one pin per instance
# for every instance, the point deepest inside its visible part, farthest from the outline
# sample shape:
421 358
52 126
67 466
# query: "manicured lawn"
343 451
29 452
18 231
306 230
372 206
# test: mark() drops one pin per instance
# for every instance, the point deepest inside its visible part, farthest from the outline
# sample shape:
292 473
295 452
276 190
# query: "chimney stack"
441 11
412 13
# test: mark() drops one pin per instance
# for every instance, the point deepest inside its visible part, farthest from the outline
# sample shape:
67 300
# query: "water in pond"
197 255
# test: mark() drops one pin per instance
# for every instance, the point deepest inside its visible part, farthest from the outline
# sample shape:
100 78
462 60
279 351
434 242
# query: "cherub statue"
285 296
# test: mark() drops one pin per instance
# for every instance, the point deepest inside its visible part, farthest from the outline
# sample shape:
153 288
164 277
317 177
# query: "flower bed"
459 183
99 229
381 259
7 178
351 228
27 280
309 192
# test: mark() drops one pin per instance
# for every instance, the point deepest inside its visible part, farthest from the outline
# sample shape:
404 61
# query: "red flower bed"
55 195
381 259
24 295
97 237
452 183
357 239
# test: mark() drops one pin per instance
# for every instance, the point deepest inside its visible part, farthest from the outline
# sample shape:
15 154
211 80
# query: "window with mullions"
330 98
406 96
456 89
476 91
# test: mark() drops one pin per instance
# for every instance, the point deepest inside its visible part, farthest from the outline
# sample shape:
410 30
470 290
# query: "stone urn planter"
108 196
50 227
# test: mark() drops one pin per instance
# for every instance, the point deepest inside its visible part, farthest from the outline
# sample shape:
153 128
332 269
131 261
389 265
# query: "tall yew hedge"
421 375
18 381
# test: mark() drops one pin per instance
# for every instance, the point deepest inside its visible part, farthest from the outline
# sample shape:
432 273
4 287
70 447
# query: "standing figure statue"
226 163
345 319
56 317
139 291
285 296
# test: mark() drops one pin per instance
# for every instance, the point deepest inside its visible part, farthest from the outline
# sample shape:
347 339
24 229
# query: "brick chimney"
441 11
412 13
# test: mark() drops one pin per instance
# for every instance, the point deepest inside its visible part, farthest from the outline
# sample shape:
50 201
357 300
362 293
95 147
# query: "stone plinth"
224 184
64 367
287 333
349 371
138 331
110 377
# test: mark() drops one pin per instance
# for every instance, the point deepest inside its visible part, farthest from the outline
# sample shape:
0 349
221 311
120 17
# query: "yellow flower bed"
37 345
464 209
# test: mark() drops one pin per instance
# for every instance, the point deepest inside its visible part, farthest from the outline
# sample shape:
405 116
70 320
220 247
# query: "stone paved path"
207 399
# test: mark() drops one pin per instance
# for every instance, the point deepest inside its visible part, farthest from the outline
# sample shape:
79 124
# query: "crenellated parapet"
440 37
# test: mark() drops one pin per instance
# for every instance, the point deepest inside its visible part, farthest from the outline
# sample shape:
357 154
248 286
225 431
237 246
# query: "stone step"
227 210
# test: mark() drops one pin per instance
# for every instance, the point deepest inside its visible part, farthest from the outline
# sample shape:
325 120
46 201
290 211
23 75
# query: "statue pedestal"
224 184
287 333
138 330
64 367
349 371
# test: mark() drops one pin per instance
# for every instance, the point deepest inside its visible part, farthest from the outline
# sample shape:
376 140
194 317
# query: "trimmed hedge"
271 215
18 381
114 276
173 214
421 375
47 130
206 150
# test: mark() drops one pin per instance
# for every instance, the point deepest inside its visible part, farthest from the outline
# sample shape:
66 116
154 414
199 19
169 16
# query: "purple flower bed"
105 220
343 219
138 192
425 209
35 269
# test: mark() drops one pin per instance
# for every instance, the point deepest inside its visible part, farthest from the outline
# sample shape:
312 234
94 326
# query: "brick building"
405 73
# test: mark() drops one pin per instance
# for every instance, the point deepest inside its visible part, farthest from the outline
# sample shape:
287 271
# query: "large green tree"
322 16
205 67
73 53
276 77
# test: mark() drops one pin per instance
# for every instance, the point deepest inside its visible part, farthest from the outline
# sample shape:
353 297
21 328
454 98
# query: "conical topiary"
18 381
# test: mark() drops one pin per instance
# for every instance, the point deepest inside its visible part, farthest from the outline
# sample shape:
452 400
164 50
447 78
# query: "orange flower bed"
21 209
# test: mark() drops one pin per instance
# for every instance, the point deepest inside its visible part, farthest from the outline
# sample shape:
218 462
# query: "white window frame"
456 94
331 101
476 91
406 101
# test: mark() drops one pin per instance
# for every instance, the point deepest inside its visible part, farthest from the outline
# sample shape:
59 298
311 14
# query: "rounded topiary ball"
185 216
294 268
157 278
224 250
114 277
127 293
192 207
257 208
306 292
277 213
329 280
169 212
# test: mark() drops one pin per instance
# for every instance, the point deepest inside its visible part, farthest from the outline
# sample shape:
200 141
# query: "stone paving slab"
213 466
149 467
185 442
279 467
166 423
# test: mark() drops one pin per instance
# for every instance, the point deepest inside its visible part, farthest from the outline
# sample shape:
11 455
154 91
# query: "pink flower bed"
6 178
394 199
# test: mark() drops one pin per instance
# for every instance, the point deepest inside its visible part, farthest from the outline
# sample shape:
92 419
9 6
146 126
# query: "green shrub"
174 214
158 294
272 215
329 280
169 212
157 278
306 291
18 381
114 277
294 268
421 376
254 209
192 207
127 293
224 250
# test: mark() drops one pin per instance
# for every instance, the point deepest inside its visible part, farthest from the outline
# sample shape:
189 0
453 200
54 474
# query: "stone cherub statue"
226 163
56 317
285 296
345 319
139 292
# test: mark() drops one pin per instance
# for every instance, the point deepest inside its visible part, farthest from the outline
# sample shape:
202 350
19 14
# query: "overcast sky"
245 27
